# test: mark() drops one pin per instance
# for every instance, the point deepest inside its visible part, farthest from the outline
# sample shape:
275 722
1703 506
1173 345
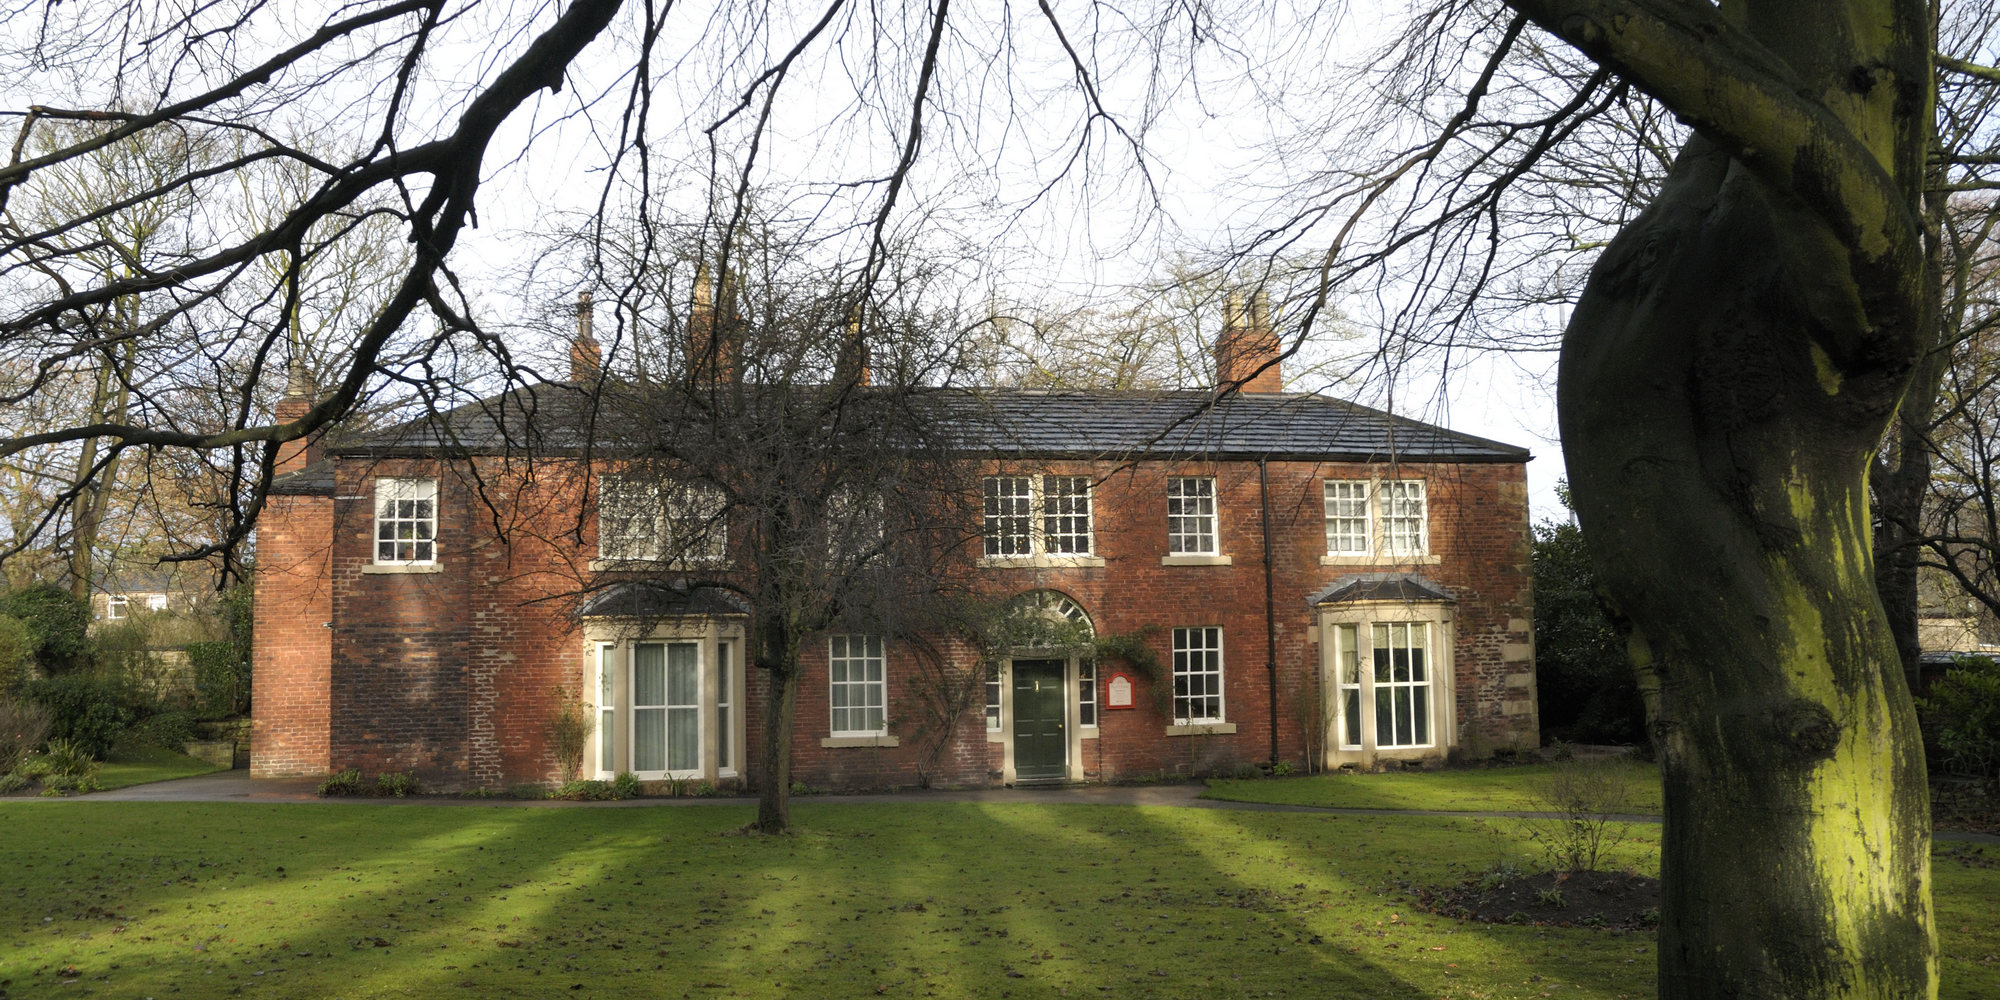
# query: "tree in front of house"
785 444
1728 373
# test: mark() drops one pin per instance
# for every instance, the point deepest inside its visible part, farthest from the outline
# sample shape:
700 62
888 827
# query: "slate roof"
1382 587
315 480
646 599
1004 423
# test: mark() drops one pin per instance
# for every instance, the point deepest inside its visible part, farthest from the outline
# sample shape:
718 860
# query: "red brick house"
1317 582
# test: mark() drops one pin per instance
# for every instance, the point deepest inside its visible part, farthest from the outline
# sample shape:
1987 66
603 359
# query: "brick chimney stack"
300 395
852 364
1246 355
711 347
586 358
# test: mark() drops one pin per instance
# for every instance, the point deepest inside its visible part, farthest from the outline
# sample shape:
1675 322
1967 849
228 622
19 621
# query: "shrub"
58 625
67 758
90 711
1961 719
626 784
23 727
56 785
570 726
1583 794
346 782
11 783
1282 769
221 678
585 791
34 766
17 654
1584 683
396 784
172 730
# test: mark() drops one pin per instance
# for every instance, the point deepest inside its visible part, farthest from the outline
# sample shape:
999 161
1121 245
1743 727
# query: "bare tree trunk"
781 662
1901 479
1718 457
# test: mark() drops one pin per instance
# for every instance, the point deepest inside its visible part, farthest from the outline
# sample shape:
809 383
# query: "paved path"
238 786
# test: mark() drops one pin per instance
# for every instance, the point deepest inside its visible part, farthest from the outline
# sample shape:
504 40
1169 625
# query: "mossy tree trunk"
1726 380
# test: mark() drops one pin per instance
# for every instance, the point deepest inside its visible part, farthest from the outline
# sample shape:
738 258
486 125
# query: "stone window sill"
1040 562
1203 729
1348 559
399 569
837 742
1194 560
656 565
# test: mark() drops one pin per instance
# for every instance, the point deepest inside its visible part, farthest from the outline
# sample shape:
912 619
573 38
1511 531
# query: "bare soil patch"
1616 901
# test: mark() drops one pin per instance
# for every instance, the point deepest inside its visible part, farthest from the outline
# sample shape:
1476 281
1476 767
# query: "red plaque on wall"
1118 691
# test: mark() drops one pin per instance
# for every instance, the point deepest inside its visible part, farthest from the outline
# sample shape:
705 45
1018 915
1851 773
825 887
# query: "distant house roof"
1405 587
560 417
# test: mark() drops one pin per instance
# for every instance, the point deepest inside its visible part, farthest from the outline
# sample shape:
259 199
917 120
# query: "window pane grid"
628 519
858 687
405 520
1086 692
1197 675
649 707
1191 515
1066 514
1009 515
993 697
1402 683
1403 518
1347 517
697 523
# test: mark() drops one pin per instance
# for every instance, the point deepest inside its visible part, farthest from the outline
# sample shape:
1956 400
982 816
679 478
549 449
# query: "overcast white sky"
1205 155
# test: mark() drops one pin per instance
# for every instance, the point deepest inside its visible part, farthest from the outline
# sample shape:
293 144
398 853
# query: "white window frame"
717 707
1351 633
1366 517
1404 515
117 607
156 602
1198 655
1086 693
994 681
688 521
855 524
1055 510
847 694
676 711
420 516
605 663
1366 685
1192 526
626 533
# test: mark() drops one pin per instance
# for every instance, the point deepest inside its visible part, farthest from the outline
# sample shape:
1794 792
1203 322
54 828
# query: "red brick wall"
291 662
451 674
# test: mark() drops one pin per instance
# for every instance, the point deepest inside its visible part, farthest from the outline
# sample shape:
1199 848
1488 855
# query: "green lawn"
128 766
904 900
1496 789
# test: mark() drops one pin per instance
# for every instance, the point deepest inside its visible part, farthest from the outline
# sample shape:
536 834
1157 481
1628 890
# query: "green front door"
1041 749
